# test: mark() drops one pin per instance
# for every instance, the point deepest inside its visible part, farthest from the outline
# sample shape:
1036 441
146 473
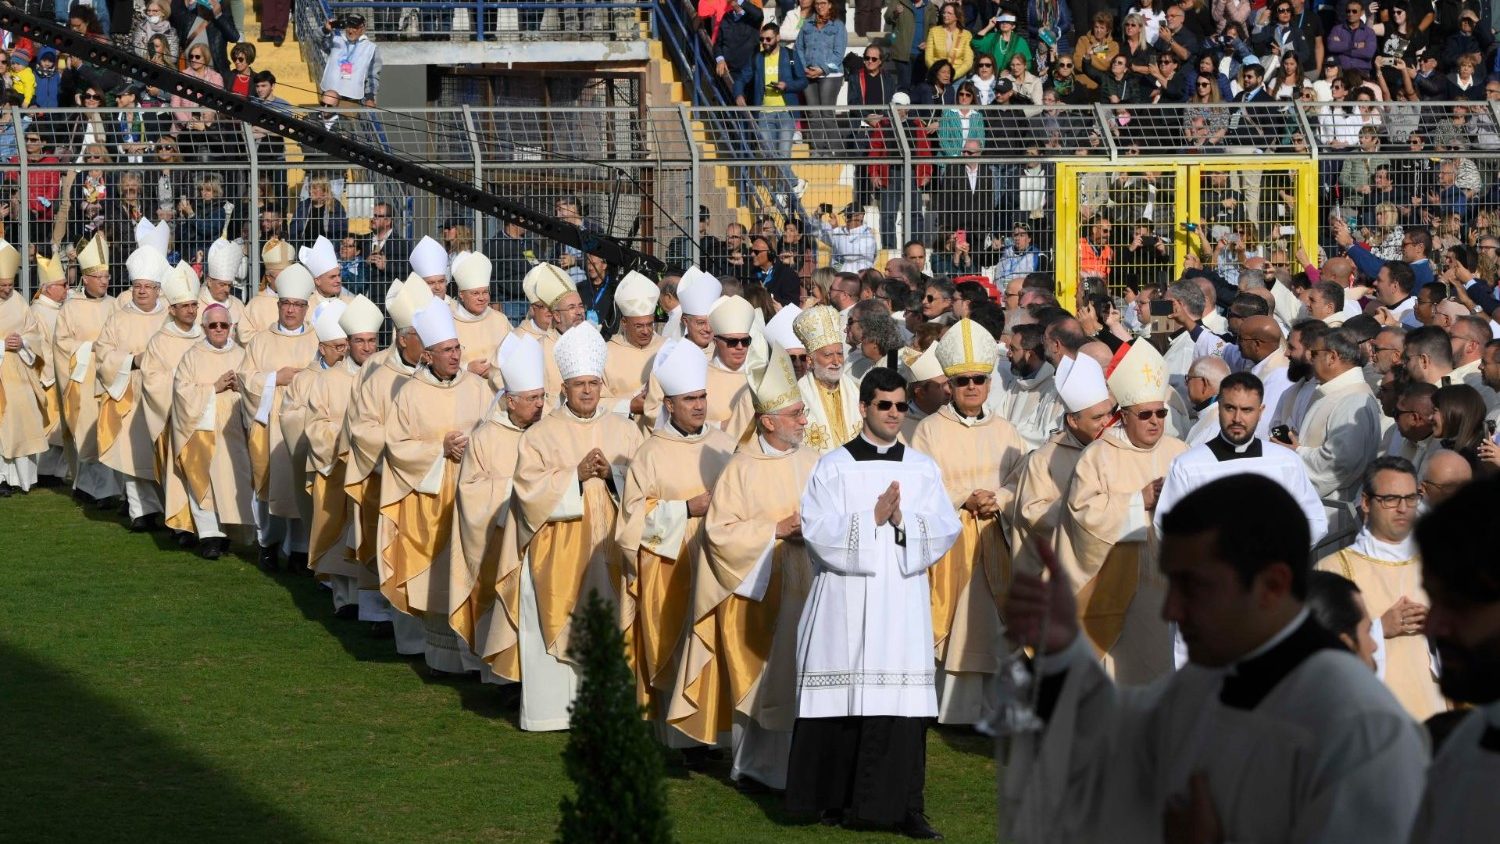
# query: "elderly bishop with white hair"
830 394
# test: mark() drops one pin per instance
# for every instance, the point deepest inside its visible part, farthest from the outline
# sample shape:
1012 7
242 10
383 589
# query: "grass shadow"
964 739
77 766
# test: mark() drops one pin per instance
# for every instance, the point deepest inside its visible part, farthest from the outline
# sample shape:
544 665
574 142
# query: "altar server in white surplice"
1275 732
875 517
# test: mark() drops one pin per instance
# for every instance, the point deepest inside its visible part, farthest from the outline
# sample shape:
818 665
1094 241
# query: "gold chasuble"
970 581
231 303
482 519
294 434
125 442
23 424
158 371
364 433
1384 573
748 592
832 413
480 336
326 404
270 454
259 315
660 544
418 488
1108 547
78 327
210 457
44 370
566 529
1041 490
627 369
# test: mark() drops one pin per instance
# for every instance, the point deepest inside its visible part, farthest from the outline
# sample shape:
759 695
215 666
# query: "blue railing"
495 20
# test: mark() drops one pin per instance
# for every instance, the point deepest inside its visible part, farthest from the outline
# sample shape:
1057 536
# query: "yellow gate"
1140 222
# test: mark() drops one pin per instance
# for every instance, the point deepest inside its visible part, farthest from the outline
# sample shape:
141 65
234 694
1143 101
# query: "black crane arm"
311 135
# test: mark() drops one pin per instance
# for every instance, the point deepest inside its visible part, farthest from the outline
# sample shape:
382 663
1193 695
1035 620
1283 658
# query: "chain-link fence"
1129 194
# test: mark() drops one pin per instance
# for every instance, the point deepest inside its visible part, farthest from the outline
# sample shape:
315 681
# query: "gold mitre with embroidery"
817 327
1140 377
967 349
94 254
774 386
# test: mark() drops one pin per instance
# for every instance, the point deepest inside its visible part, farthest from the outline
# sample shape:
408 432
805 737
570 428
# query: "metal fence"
990 191
483 20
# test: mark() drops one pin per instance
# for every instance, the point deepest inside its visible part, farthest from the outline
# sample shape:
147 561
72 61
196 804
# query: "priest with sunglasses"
980 455
1106 542
876 517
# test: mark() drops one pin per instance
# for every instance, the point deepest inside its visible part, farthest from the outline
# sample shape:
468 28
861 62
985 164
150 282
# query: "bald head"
1260 337
1444 473
1210 298
1339 270
1204 377
1098 351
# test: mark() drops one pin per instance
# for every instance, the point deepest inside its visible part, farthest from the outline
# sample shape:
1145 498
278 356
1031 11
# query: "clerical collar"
438 379
291 332
401 356
968 421
1256 674
861 448
1392 552
1200 407
724 366
1030 382
1223 449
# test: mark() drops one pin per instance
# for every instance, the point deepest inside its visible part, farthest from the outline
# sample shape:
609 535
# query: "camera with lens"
350 20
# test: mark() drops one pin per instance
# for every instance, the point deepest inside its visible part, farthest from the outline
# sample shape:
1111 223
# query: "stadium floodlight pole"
313 136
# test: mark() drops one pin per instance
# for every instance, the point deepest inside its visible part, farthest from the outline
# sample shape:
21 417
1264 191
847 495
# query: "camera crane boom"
313 136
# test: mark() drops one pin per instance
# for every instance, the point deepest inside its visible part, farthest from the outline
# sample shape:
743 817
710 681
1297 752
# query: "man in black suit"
388 253
778 279
966 196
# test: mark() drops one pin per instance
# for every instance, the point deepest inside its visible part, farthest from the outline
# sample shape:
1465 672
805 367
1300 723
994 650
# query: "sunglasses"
734 342
872 58
966 380
1143 415
1065 64
986 64
216 325
887 404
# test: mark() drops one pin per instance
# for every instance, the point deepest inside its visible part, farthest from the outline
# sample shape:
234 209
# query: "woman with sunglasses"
242 73
199 66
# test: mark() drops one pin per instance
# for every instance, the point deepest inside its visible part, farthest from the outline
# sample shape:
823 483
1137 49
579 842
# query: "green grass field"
148 694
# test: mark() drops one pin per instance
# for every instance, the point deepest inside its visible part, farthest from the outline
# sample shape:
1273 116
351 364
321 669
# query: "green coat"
990 45
902 17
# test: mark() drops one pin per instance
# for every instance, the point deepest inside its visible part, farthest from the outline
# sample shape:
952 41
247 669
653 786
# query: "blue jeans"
775 129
